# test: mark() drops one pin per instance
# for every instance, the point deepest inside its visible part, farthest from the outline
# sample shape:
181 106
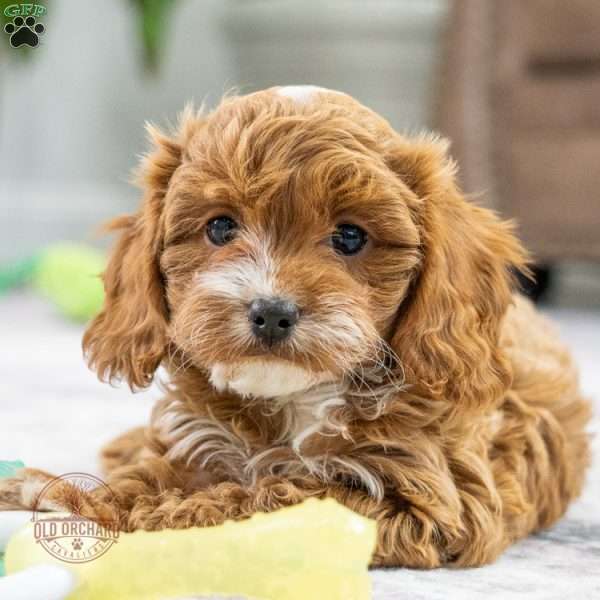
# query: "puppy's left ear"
128 338
447 331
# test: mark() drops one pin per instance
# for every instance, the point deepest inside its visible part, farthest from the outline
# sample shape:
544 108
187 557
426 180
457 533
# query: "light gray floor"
55 415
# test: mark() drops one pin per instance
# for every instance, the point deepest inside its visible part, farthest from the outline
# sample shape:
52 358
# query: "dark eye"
221 230
348 239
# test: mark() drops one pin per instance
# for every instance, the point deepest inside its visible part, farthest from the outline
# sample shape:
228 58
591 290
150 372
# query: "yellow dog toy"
318 549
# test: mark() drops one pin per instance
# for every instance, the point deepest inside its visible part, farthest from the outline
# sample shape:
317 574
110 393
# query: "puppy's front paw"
22 492
36 490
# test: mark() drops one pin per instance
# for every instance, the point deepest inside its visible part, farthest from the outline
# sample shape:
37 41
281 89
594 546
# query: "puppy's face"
291 237
288 244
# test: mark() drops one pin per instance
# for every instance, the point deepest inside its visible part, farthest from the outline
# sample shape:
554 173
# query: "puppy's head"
291 237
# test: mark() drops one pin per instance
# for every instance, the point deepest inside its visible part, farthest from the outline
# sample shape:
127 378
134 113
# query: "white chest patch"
300 93
264 379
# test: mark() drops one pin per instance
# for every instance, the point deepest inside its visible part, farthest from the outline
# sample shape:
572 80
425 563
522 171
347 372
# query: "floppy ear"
448 329
128 338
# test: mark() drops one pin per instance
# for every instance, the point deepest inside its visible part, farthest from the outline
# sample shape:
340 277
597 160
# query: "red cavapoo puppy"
335 320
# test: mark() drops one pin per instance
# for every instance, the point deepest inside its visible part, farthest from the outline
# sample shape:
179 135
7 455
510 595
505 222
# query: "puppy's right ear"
128 338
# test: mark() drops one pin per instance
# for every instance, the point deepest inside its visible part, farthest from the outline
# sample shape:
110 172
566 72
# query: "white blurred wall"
71 117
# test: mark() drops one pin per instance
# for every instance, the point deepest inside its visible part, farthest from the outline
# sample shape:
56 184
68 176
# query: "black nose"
272 319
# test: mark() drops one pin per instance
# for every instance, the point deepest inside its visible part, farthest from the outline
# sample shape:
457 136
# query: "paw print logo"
77 544
24 32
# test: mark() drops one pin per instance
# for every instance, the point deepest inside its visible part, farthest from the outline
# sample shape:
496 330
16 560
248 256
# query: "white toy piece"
49 582
10 522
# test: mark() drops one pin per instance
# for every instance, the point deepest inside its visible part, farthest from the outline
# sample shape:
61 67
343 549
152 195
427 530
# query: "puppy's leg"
126 487
21 491
112 502
215 504
29 490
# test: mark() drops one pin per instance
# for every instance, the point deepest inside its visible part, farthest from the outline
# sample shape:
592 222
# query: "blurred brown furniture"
521 104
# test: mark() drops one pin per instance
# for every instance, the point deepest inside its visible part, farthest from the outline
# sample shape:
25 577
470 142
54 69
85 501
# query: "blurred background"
515 85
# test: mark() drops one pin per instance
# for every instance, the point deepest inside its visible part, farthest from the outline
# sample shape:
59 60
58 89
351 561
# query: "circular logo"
72 537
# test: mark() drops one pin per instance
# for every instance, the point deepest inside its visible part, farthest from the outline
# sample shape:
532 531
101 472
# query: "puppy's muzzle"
272 319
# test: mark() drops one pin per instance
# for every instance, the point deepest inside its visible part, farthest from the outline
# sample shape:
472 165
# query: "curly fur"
436 400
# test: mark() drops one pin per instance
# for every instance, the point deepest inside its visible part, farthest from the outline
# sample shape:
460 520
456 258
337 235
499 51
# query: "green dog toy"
67 274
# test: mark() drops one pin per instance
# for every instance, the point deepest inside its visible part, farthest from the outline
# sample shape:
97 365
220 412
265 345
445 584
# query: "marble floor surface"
55 415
